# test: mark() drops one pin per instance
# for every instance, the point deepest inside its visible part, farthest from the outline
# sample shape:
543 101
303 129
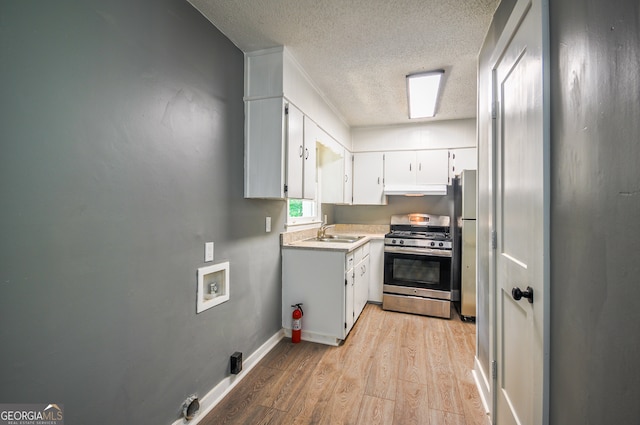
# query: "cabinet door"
332 162
361 291
309 159
462 159
349 299
433 167
366 277
265 143
368 178
348 177
295 151
376 269
400 168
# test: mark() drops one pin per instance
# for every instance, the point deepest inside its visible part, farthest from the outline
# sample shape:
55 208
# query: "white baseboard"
315 337
217 393
482 383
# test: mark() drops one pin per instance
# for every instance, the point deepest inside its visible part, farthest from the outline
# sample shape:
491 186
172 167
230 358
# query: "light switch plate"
268 224
208 251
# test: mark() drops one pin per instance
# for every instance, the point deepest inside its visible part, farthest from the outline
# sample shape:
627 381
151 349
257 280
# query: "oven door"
417 269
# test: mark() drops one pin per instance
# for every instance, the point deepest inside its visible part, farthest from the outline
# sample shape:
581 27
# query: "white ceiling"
357 52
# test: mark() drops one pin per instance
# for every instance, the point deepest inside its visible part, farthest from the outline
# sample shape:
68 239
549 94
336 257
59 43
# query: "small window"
301 211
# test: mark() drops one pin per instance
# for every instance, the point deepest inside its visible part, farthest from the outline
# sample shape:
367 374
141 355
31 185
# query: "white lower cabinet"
333 287
376 269
349 297
361 277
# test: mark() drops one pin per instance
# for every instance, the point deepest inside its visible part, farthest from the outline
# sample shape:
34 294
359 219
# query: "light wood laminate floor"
393 369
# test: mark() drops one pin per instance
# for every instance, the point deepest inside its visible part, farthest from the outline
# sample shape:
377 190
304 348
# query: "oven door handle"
418 251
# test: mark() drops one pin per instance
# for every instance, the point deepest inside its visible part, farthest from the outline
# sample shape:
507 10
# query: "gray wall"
381 214
121 131
595 207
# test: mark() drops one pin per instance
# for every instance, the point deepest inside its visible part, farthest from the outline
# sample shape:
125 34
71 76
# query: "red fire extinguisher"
296 328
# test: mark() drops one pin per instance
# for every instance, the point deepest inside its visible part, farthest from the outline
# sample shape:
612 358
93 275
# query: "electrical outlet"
268 224
208 251
236 362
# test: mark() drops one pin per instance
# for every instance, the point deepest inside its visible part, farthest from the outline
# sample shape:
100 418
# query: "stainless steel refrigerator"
467 254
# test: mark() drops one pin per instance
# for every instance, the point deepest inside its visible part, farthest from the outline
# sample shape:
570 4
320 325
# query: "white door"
521 213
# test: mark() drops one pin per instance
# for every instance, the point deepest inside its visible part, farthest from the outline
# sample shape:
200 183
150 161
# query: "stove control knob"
401 242
433 244
440 244
393 241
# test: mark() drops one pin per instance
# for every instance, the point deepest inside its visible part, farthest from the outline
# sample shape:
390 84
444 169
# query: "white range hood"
416 190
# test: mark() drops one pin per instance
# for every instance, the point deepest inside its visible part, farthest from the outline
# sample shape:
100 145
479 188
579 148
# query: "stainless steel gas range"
417 265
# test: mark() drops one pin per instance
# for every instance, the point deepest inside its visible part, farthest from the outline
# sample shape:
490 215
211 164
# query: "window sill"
294 227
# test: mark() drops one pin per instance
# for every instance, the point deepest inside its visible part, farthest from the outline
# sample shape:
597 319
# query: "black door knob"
518 294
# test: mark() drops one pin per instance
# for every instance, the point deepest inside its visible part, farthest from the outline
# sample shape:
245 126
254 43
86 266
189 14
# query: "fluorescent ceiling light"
422 92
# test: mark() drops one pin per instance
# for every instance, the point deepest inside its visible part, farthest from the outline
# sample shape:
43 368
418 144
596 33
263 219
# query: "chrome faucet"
323 229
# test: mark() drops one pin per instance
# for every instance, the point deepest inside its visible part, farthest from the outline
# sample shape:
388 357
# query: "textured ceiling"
357 52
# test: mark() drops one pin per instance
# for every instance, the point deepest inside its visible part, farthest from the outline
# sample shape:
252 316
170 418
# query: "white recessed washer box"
213 286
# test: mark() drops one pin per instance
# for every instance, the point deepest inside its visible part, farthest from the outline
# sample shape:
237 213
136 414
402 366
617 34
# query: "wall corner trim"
217 393
482 384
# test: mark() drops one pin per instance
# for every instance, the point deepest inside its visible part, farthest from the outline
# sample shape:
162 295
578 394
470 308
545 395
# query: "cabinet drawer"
357 255
349 263
365 249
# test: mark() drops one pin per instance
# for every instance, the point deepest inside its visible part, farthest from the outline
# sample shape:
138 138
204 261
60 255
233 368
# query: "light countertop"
306 239
332 246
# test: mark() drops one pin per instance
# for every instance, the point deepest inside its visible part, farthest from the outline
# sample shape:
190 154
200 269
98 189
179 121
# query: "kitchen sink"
338 238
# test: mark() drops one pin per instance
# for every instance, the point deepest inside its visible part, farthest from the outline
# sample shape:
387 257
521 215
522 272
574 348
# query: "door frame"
518 13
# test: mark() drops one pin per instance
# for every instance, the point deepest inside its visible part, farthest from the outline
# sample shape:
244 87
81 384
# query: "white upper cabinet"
409 168
400 168
348 177
432 167
301 155
265 148
462 159
278 163
295 152
309 167
336 169
368 178
282 110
